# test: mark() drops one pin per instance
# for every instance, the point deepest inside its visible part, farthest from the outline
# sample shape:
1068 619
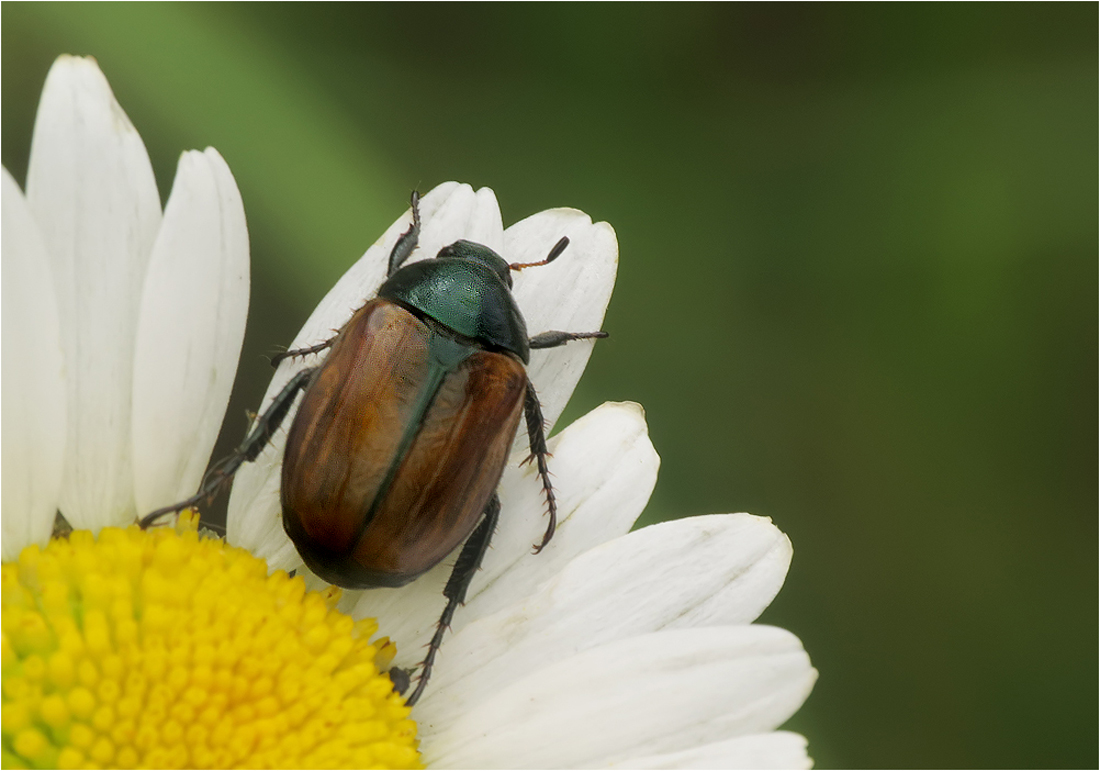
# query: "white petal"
483 227
191 326
34 388
570 295
605 468
449 212
713 570
92 192
776 749
658 693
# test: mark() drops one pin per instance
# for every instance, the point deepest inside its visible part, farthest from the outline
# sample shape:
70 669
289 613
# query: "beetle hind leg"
469 560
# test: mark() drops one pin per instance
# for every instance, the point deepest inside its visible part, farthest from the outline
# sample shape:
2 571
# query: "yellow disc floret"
163 649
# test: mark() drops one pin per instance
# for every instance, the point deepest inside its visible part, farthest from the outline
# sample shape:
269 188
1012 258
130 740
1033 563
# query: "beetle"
394 455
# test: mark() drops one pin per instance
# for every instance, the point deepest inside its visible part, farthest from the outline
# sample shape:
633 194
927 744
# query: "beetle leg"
405 245
536 424
293 353
536 436
469 560
266 426
553 339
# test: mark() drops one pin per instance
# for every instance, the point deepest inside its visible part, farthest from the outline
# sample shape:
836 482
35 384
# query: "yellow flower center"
164 649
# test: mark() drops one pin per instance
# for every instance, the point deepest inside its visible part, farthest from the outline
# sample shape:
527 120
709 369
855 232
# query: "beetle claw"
538 547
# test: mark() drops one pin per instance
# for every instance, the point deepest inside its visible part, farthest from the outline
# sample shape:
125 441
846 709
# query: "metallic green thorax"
466 288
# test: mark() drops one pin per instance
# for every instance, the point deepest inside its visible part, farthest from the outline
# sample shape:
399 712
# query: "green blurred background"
858 247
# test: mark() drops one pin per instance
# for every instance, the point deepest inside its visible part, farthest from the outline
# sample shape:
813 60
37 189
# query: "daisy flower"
165 648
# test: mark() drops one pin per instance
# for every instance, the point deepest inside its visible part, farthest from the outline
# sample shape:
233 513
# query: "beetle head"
468 250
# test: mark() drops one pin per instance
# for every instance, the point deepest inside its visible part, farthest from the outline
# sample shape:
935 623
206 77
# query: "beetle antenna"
559 247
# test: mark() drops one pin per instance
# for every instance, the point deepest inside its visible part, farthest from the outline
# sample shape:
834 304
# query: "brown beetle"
395 454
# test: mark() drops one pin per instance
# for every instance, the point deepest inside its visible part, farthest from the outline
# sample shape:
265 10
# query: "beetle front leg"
266 426
469 560
536 436
553 339
408 240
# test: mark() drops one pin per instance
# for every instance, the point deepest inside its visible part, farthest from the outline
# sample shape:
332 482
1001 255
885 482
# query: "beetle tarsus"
298 352
555 338
466 566
536 436
149 519
408 240
218 475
